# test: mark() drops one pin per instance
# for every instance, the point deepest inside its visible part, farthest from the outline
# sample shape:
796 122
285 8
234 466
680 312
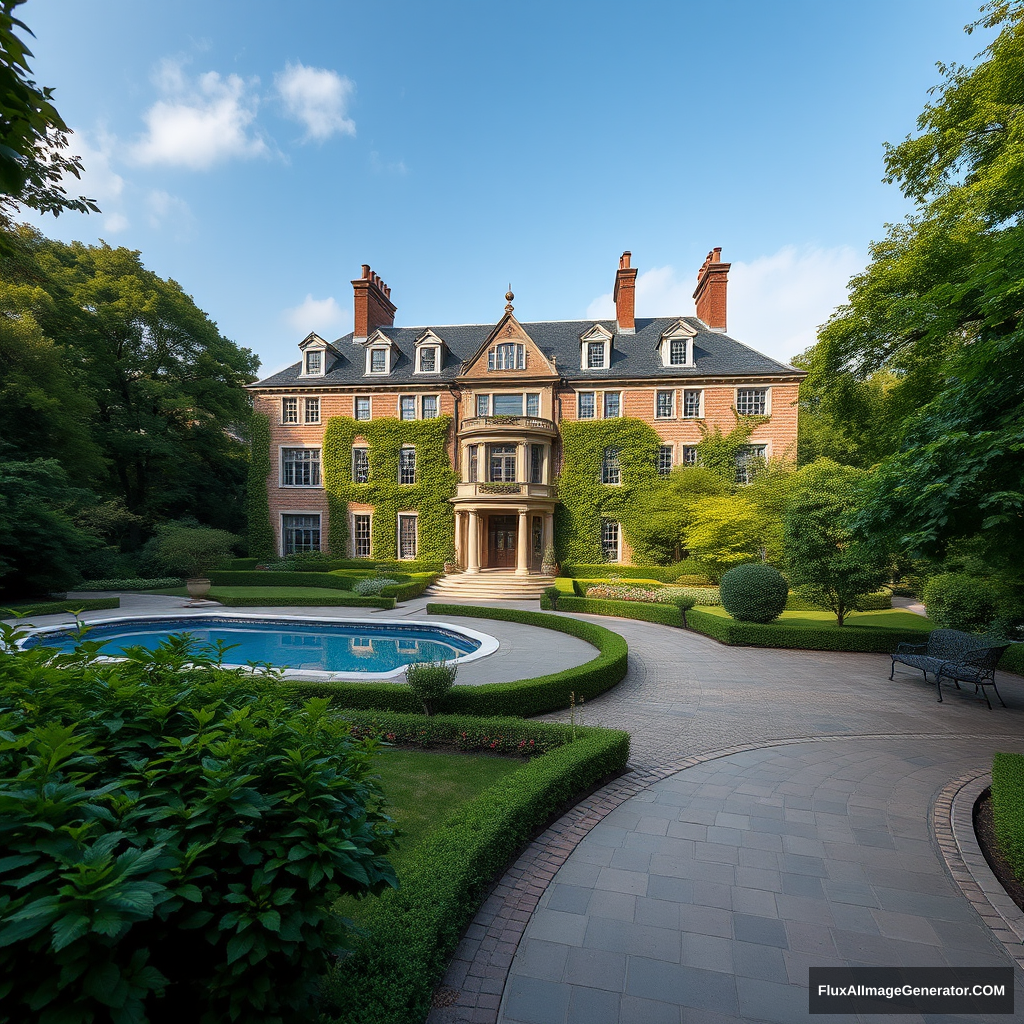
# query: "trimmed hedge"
86 604
1013 659
868 639
133 583
282 579
414 588
238 565
522 698
330 599
412 931
1008 808
645 611
754 592
603 570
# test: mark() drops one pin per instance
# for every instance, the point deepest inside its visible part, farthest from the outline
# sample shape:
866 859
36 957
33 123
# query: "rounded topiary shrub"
754 593
955 600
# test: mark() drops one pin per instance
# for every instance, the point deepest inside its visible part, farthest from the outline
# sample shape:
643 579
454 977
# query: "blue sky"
259 152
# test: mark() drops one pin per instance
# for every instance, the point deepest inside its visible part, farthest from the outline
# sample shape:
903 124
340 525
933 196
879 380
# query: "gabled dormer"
381 355
676 345
318 356
508 353
429 353
596 349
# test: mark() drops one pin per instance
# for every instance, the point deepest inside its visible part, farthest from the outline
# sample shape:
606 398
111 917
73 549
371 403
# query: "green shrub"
414 588
193 551
88 604
664 573
372 585
754 592
282 579
521 698
413 931
877 602
432 682
1013 659
157 583
238 564
957 601
645 611
200 831
1008 808
782 634
551 595
267 598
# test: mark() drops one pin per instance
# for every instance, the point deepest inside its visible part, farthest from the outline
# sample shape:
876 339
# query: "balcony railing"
508 423
498 489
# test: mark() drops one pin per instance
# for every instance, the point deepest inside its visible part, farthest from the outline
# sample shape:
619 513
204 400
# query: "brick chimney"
712 282
625 295
373 305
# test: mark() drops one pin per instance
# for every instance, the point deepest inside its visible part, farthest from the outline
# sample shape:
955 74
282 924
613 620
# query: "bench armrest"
911 649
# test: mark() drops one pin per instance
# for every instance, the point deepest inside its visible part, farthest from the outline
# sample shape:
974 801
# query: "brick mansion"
445 441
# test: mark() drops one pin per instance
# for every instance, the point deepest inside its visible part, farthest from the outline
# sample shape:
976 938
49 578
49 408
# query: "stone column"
473 558
523 547
459 556
549 529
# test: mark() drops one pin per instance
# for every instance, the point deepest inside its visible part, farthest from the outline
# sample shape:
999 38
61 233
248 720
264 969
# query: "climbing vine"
585 500
261 534
717 451
428 496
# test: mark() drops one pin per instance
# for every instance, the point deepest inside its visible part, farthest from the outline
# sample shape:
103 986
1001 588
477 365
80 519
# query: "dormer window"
677 354
677 345
314 363
595 348
507 356
429 359
595 355
378 360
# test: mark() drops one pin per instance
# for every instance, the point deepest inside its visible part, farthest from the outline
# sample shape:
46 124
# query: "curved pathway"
780 816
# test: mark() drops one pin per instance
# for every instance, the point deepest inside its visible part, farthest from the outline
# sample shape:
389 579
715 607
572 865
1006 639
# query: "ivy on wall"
717 451
585 500
429 496
261 533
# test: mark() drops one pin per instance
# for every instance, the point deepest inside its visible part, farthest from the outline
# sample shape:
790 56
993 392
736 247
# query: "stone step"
492 585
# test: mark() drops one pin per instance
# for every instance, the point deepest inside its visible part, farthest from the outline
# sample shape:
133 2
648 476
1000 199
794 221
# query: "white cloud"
99 181
114 223
380 166
321 315
776 302
199 123
163 208
317 98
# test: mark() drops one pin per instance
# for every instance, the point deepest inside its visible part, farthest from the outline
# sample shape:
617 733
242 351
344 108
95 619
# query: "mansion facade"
424 442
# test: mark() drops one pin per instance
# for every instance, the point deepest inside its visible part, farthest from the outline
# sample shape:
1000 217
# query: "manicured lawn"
811 619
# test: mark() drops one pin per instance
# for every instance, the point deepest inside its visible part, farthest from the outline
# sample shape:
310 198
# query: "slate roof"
633 355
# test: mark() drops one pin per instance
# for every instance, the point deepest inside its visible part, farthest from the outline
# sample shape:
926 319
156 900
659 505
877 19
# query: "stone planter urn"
198 587
449 568
549 568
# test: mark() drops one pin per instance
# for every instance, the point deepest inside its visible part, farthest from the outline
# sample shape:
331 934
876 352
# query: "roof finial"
508 298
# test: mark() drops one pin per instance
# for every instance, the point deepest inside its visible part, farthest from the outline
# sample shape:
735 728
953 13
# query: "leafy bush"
372 585
552 594
431 681
412 932
194 551
521 698
414 588
158 583
754 592
666 573
243 578
200 830
957 601
1008 808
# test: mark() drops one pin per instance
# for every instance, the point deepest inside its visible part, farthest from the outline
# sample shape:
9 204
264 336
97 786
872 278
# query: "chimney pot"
624 295
712 286
373 307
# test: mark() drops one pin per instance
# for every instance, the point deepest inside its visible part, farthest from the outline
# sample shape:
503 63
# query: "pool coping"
488 643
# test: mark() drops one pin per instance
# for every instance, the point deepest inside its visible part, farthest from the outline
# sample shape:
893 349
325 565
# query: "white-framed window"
747 458
407 535
536 463
665 460
533 404
289 410
378 360
677 352
585 405
483 405
507 405
752 401
503 463
360 465
429 359
612 404
509 355
300 467
312 410
361 535
611 472
407 466
362 407
473 469
428 407
314 363
690 457
609 540
407 407
693 403
595 355
664 405
299 533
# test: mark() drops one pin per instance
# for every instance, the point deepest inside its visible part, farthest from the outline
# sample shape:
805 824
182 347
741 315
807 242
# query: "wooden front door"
501 547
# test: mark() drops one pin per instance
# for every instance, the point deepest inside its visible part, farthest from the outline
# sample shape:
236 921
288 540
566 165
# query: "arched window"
610 472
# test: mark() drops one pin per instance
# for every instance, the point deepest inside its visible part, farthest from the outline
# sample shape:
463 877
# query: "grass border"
521 698
413 931
84 604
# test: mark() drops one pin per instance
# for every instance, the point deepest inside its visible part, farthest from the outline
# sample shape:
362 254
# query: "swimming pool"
307 648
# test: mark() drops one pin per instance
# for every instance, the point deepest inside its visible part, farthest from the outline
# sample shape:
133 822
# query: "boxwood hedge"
605 570
645 611
522 698
1008 808
282 579
413 930
87 604
330 599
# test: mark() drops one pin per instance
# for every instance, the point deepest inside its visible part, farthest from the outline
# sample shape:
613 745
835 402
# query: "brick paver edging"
953 821
471 990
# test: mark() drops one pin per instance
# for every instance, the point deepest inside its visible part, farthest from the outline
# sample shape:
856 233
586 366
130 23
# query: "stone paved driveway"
704 898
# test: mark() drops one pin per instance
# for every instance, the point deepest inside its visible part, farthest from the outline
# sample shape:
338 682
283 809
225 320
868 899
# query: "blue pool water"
319 646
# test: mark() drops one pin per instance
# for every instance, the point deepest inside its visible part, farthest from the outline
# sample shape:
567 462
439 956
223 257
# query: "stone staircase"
489 585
